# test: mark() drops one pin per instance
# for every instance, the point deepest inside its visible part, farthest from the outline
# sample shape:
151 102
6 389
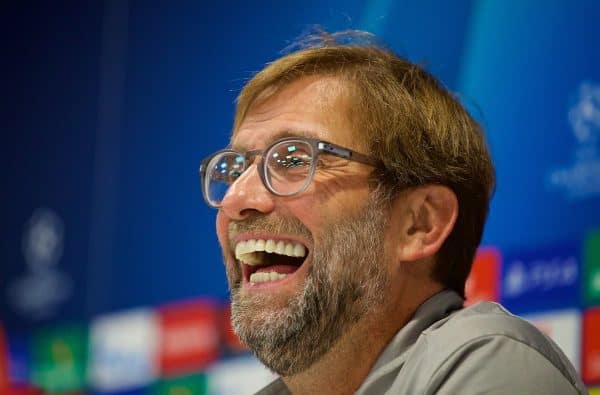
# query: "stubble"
347 278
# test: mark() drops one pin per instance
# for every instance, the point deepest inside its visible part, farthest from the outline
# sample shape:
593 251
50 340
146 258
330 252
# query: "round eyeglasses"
287 168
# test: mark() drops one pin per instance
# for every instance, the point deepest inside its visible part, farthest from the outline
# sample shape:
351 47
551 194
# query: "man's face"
292 309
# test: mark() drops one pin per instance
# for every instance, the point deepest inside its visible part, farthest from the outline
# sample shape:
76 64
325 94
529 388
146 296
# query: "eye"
292 166
290 156
297 160
289 162
228 168
234 174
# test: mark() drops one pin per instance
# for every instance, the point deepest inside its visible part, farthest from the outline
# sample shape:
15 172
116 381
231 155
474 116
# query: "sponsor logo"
59 357
19 361
564 327
541 280
240 375
123 350
44 288
592 268
188 385
581 178
590 371
483 280
189 336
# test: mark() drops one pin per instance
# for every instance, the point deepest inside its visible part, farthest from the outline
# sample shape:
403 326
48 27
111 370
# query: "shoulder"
486 320
446 349
486 345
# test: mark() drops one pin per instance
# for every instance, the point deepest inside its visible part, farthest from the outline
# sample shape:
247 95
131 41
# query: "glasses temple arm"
346 153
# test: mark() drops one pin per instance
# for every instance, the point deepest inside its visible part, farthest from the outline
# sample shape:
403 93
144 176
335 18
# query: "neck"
351 359
346 364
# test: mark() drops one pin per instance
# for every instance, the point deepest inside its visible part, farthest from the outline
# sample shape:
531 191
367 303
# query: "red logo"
483 281
189 336
591 346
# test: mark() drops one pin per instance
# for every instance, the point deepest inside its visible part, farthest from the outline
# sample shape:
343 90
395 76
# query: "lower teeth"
266 276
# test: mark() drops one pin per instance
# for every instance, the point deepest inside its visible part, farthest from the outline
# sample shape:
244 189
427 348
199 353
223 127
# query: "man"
351 202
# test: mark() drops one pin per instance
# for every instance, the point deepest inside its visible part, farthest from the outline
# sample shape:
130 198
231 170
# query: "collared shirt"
480 349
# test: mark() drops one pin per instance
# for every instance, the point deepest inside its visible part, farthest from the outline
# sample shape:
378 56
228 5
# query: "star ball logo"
43 288
581 178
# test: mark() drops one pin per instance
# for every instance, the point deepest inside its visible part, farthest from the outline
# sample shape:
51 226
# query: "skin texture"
341 285
393 276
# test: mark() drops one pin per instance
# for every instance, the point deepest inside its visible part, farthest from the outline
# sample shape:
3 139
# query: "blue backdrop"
108 108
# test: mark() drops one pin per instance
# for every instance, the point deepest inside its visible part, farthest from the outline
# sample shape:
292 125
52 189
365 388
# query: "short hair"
415 127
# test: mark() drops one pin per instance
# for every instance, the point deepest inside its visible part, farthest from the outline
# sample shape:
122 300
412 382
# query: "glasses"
287 168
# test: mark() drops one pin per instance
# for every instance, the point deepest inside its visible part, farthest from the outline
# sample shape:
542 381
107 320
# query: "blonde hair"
415 127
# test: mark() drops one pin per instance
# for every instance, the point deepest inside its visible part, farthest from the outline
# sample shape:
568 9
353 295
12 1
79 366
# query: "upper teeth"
245 250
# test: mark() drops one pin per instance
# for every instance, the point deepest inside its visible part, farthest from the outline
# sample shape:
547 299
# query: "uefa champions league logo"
585 115
581 179
43 240
43 288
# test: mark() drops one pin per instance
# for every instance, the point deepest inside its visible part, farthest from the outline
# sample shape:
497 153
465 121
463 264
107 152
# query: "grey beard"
347 279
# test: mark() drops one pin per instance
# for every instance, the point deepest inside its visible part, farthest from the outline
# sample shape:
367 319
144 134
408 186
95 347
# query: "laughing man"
351 201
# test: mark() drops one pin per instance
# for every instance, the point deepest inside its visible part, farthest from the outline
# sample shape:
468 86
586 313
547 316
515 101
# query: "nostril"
248 212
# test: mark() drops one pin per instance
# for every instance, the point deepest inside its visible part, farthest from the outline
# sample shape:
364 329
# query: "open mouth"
269 260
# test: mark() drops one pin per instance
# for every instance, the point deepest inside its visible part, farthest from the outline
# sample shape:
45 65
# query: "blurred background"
111 278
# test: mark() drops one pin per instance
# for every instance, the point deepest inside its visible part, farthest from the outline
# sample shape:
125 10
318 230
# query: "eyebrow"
242 147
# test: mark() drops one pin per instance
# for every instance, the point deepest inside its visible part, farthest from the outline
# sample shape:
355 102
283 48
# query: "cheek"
347 190
309 211
343 205
325 190
326 203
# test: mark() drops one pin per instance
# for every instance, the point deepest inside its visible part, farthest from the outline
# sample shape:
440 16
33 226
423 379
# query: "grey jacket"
481 349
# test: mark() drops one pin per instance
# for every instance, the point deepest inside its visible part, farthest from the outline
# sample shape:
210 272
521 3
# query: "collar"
396 352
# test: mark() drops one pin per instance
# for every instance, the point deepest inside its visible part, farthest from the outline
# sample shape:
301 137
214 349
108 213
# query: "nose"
247 196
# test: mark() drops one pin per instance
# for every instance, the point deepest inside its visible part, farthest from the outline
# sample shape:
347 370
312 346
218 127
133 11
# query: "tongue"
282 269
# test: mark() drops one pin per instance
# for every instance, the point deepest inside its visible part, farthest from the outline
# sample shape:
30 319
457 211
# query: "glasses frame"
318 147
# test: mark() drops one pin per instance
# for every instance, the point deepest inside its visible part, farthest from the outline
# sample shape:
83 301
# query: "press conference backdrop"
111 276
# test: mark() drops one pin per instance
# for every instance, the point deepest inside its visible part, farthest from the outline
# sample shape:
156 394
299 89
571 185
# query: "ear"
427 216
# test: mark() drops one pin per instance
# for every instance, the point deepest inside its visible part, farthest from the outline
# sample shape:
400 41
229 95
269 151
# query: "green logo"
591 253
194 384
59 358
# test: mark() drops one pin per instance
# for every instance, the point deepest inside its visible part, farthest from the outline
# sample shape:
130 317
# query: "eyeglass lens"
288 170
221 172
288 166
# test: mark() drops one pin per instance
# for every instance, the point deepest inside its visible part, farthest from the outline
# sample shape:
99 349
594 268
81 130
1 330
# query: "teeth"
280 248
298 250
246 251
266 276
270 246
260 245
289 250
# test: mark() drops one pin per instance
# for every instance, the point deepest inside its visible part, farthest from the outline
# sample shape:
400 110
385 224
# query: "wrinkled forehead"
314 106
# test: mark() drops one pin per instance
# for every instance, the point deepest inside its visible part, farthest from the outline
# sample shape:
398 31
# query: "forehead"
310 106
